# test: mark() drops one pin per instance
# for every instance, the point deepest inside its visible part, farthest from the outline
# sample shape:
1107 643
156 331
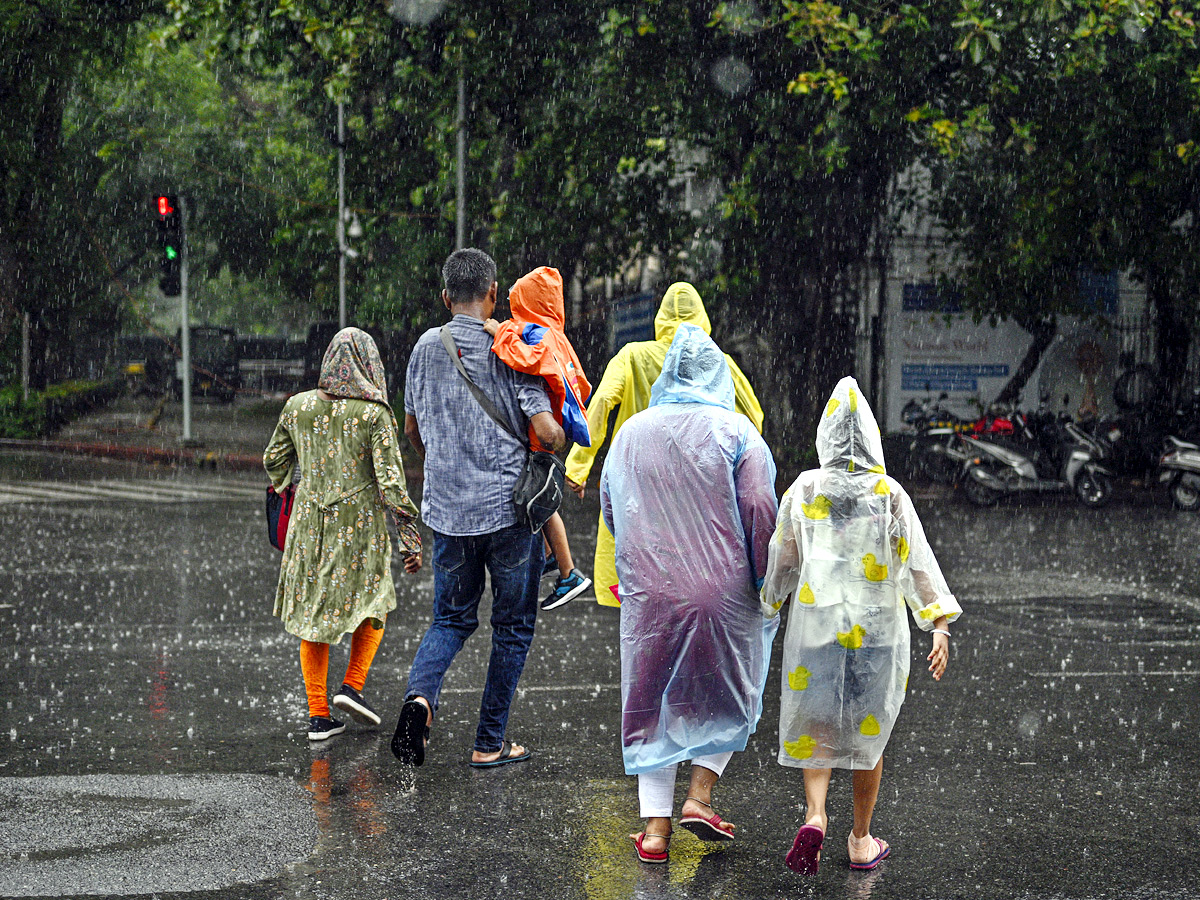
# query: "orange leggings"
314 663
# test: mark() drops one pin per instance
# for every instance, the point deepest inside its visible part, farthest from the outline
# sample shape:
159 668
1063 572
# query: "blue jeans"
513 557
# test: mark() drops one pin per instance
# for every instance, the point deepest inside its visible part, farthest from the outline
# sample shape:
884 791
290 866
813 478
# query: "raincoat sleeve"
920 581
279 459
783 561
389 477
508 344
604 400
745 398
754 483
606 509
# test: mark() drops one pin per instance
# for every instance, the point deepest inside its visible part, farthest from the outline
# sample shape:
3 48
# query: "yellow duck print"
869 727
881 488
806 596
831 406
873 570
798 678
853 400
852 639
818 509
801 748
902 549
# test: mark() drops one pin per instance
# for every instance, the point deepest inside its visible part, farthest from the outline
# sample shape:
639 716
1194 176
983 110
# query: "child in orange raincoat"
532 341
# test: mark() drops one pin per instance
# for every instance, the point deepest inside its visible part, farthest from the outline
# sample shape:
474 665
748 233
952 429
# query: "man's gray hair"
468 274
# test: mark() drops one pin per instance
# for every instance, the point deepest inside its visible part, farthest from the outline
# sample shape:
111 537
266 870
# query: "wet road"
152 734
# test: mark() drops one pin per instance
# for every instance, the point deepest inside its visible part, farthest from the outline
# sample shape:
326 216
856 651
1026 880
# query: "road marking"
542 688
108 489
1173 673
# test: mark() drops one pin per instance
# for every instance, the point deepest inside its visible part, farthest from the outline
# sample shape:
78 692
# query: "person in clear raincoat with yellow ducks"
850 553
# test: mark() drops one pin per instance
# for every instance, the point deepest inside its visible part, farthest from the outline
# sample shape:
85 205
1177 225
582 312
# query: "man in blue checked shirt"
471 468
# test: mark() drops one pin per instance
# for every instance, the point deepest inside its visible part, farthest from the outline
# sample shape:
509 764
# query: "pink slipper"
648 856
879 857
803 858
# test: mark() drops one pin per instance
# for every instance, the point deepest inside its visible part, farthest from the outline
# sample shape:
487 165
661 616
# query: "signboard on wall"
932 348
631 319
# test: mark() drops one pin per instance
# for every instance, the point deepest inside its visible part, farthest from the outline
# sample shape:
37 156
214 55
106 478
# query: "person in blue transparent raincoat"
688 491
850 552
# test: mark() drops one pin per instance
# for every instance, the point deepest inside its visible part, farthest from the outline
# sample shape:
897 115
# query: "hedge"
50 409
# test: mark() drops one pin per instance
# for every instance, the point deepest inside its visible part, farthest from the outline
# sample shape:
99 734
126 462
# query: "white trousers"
656 789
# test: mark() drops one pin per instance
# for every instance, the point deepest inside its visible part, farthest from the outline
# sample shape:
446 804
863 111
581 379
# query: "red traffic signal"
166 205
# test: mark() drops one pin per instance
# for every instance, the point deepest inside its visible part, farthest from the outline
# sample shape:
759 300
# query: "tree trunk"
1174 332
1043 334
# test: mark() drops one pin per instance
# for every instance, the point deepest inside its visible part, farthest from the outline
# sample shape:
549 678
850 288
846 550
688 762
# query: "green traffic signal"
171 252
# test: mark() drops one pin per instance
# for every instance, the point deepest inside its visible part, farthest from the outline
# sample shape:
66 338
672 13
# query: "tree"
47 246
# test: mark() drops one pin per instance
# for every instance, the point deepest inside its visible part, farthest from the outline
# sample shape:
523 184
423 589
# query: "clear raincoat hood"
694 371
848 435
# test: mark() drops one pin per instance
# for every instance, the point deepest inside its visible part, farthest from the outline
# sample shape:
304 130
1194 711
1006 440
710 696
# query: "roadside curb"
211 459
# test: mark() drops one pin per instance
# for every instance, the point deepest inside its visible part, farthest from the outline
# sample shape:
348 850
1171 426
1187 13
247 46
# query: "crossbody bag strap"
488 406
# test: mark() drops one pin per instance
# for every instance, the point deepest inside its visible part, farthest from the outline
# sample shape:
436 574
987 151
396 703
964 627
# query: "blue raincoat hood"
695 371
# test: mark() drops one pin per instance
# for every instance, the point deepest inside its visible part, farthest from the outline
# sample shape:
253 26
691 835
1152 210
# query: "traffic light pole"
186 331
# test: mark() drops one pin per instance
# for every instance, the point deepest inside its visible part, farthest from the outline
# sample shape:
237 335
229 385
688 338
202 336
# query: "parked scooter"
939 449
934 450
1180 468
1050 453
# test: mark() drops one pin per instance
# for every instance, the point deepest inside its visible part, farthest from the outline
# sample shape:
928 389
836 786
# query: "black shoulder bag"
539 490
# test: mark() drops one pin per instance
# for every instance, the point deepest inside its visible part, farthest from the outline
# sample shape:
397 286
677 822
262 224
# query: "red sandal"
651 856
707 828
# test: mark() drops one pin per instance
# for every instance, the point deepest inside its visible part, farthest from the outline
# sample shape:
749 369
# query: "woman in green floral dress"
336 573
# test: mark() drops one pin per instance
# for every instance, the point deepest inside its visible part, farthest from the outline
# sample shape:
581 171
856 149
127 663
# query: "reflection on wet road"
1056 759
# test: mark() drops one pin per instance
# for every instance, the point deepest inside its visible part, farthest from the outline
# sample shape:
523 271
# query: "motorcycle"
1049 453
1179 466
937 452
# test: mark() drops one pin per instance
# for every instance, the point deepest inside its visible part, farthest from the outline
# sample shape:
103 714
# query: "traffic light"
170 242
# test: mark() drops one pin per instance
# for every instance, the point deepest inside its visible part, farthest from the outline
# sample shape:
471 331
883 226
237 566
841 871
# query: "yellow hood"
681 303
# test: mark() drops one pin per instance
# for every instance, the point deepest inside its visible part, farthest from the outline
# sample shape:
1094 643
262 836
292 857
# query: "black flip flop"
408 743
505 757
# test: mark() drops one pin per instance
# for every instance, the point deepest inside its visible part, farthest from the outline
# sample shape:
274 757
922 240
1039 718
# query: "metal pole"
341 222
185 328
25 356
460 202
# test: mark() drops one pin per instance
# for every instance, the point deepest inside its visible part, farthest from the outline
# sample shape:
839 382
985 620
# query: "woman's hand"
939 656
578 489
412 562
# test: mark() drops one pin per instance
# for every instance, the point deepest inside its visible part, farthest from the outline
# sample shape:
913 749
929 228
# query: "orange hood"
538 298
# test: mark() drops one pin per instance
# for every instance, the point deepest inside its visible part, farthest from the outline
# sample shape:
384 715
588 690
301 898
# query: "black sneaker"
551 565
321 729
566 589
351 702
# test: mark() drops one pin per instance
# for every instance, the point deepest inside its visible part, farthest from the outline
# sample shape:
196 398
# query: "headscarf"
352 368
848 436
694 371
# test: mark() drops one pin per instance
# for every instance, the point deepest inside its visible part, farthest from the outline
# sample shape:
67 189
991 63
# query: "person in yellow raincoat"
625 388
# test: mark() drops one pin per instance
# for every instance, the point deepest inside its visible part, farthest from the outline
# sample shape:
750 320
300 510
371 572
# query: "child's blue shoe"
566 589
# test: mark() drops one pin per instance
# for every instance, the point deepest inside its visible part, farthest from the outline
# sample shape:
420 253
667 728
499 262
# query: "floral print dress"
336 568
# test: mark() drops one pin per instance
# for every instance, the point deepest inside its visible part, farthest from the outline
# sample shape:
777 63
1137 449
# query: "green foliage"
51 408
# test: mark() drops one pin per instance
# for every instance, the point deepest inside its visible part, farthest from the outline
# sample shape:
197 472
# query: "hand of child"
491 326
939 656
